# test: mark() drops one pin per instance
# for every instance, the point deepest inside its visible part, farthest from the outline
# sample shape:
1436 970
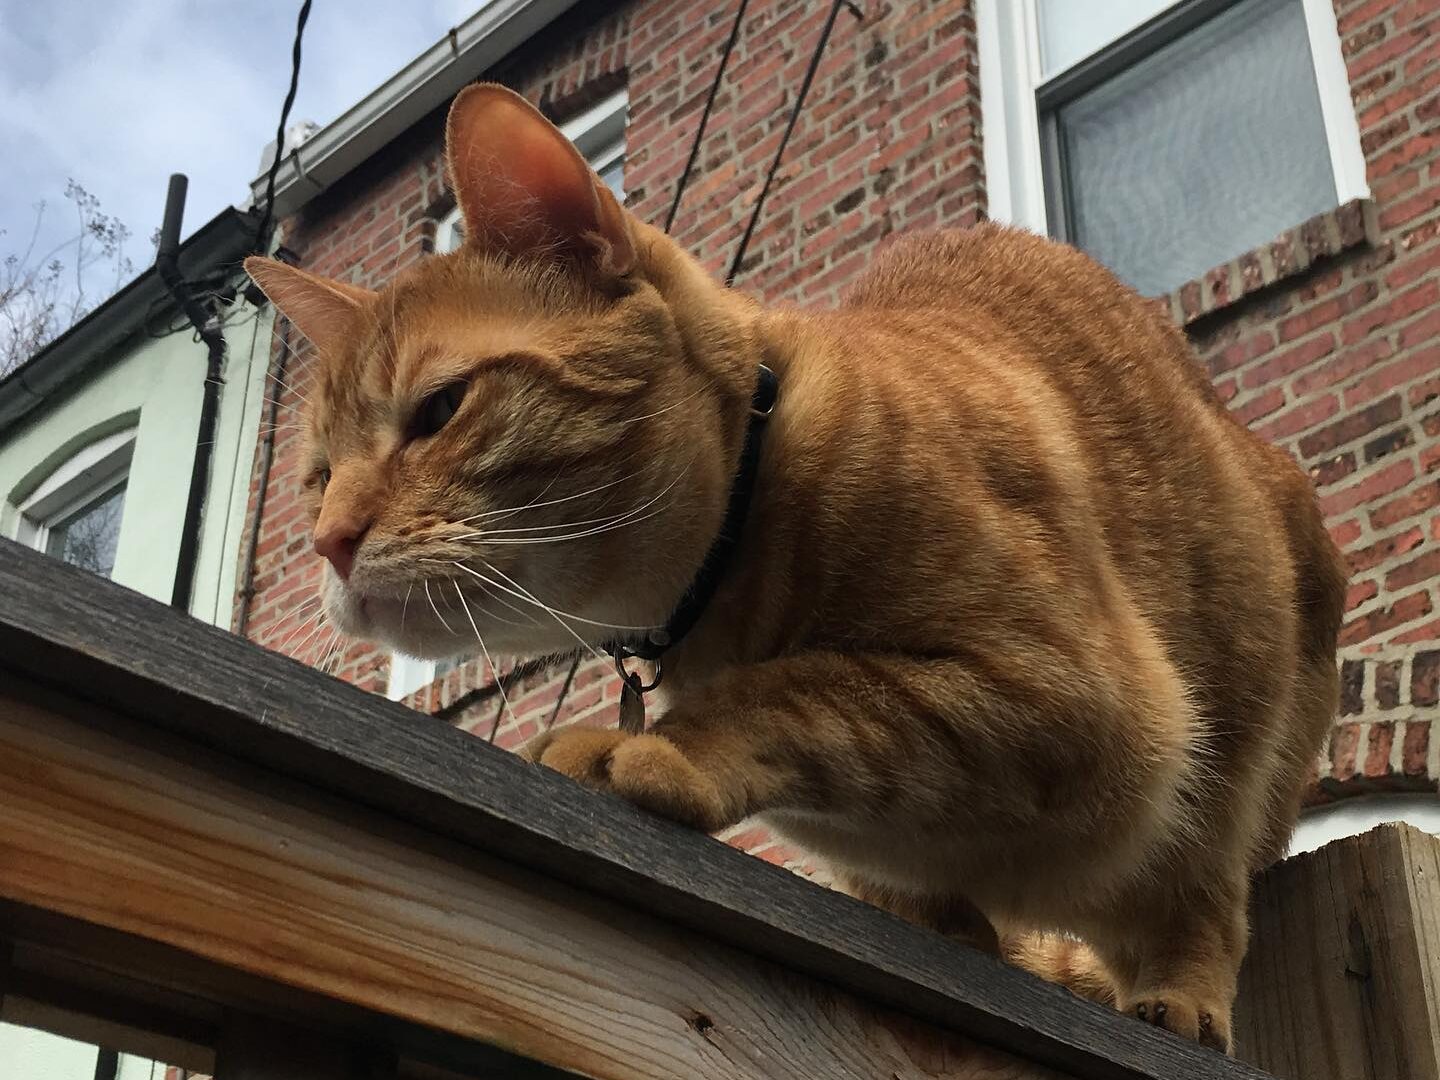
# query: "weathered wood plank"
99 642
212 861
1340 981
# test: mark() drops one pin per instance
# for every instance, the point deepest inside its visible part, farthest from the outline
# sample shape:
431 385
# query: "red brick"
1407 505
1344 744
1401 371
1263 405
1391 478
1345 533
1300 418
1360 593
1387 684
1284 363
1374 623
1354 426
1426 632
1415 753
1425 679
1332 471
1377 750
1415 571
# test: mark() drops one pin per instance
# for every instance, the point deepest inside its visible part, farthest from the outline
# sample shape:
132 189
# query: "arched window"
77 512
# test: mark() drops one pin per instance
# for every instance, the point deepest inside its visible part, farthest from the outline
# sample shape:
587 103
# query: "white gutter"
420 87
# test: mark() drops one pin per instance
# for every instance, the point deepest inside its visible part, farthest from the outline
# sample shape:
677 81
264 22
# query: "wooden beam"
96 642
269 879
1342 981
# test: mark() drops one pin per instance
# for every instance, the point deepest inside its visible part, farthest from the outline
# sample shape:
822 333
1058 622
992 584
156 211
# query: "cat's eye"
324 480
437 409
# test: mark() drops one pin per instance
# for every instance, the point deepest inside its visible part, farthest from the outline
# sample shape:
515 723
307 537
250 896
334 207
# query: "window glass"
88 537
1207 148
1071 30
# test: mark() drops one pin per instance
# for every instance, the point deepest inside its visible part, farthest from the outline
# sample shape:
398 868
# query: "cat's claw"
1179 1013
647 770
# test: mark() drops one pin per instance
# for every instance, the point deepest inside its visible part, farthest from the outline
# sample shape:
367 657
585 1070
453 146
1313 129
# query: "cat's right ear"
524 189
324 310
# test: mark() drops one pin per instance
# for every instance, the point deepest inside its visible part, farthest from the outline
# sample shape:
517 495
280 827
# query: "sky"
118 95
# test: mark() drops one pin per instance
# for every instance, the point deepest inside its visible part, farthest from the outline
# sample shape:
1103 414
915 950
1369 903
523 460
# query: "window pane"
88 537
614 176
1204 150
1071 30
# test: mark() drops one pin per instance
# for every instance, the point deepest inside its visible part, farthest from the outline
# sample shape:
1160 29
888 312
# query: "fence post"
1341 979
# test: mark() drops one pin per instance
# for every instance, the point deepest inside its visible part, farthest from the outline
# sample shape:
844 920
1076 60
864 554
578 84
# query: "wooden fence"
216 857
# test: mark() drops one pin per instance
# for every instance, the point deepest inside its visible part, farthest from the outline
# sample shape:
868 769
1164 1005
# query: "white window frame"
598 133
94 471
1011 72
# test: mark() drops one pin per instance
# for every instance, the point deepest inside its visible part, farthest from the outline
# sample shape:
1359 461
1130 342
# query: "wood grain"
95 641
1340 980
100 829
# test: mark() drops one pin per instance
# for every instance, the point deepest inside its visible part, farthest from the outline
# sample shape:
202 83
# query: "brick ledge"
1291 254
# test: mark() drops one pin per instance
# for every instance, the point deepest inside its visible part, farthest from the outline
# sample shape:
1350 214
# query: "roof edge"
409 95
225 238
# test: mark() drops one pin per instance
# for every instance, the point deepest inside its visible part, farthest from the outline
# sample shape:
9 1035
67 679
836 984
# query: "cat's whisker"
405 606
435 609
499 618
533 505
544 607
494 671
578 535
625 517
667 408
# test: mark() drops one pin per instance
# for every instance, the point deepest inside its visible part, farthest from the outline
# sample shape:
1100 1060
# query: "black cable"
835 7
565 689
263 231
705 115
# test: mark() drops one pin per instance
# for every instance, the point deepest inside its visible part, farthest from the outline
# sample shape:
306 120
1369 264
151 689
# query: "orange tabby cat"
1023 632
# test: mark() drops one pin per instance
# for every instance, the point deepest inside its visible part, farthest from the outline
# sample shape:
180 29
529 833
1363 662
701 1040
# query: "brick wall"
1327 340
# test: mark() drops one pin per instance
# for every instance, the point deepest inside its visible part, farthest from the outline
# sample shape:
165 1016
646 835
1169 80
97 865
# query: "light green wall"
159 383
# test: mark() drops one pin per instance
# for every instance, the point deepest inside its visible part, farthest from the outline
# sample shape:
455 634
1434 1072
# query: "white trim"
89 473
408 674
445 231
598 126
1011 72
1009 75
1332 79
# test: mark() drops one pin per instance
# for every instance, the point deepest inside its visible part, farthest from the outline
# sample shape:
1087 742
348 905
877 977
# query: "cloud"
118 96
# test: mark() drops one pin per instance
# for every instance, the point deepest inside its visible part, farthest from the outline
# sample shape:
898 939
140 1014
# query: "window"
598 133
1165 138
76 514
408 674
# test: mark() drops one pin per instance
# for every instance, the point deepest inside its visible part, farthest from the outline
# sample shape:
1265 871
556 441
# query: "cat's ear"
323 309
524 189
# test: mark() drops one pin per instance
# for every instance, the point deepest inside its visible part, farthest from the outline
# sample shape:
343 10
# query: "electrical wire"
262 231
815 57
705 115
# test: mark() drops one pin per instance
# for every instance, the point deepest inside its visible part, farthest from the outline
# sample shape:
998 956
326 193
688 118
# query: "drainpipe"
208 326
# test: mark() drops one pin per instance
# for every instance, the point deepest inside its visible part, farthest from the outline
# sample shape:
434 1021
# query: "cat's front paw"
1185 1015
647 770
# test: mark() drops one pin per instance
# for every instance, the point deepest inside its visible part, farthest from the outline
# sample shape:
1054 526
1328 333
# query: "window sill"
1290 255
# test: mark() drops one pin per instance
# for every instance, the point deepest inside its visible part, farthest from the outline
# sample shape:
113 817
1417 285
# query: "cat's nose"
337 540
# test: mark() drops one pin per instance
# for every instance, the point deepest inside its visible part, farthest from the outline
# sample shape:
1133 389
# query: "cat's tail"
1063 960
